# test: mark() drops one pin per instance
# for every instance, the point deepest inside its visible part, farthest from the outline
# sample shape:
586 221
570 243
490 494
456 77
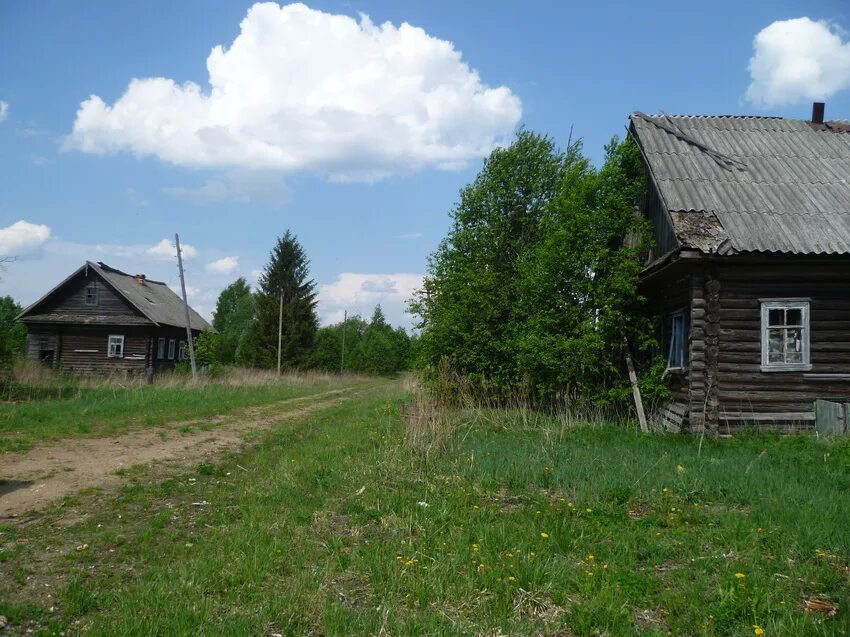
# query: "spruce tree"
286 275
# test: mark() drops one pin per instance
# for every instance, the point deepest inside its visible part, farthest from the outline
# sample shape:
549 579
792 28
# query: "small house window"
171 345
91 294
160 348
181 351
676 340
785 335
116 346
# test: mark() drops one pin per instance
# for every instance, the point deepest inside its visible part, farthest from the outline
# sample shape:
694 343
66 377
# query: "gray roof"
751 184
153 299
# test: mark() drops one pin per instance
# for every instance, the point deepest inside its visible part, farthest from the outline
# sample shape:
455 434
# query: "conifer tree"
286 275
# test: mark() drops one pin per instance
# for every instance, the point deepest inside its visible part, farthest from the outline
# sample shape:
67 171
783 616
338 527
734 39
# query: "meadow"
389 515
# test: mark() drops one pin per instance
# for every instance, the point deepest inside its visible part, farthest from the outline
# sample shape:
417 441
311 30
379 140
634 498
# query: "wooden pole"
344 326
186 307
279 332
635 389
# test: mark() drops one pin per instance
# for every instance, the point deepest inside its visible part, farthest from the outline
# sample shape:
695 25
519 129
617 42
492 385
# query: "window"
181 351
116 346
160 348
91 294
171 344
785 335
675 340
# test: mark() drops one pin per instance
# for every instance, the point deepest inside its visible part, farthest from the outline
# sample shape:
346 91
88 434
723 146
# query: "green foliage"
207 345
12 335
372 347
234 312
535 286
286 275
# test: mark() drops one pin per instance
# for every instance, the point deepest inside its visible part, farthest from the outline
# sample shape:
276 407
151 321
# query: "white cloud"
22 238
299 89
225 265
4 110
798 59
166 250
240 186
360 293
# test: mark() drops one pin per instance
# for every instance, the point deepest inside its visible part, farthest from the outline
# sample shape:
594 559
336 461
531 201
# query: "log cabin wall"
744 389
72 299
85 349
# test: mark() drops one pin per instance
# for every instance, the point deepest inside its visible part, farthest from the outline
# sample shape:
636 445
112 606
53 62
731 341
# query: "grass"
350 522
103 407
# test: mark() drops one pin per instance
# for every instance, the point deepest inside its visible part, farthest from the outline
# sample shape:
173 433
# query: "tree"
234 312
285 276
535 286
12 335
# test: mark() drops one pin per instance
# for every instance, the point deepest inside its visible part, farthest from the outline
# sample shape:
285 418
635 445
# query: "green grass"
333 525
110 410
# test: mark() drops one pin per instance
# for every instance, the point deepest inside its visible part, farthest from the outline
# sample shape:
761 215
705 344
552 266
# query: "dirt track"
46 473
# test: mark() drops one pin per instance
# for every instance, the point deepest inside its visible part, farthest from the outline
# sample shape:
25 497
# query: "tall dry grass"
437 410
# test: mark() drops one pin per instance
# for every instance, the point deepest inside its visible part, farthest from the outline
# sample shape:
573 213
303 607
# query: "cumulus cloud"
225 265
22 238
300 89
798 59
165 250
241 186
4 110
360 293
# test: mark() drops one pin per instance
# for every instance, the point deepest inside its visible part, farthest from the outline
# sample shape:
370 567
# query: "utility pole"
344 326
279 331
186 307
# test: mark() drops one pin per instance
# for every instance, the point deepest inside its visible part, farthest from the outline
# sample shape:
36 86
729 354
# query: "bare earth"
46 473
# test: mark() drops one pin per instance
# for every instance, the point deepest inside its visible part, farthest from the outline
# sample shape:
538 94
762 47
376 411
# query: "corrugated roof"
154 299
773 184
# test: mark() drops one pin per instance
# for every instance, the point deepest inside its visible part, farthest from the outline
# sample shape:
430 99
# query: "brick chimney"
817 112
140 278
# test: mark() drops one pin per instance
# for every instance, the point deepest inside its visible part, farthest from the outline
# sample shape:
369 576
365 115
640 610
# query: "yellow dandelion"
589 573
589 510
758 630
511 578
570 505
589 558
545 536
739 576
481 568
680 469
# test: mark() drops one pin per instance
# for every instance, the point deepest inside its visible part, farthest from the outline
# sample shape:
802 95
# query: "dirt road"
44 474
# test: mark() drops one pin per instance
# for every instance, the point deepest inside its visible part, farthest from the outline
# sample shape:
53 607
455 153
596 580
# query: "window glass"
171 345
160 348
91 294
675 339
116 346
785 333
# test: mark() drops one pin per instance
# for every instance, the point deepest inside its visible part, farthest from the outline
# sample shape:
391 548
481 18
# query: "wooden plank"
801 416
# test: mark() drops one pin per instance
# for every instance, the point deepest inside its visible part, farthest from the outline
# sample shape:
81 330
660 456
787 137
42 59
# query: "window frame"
172 344
671 317
181 351
93 287
109 351
160 348
802 304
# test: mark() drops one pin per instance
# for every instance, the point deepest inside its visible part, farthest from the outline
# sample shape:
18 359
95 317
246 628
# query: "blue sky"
290 147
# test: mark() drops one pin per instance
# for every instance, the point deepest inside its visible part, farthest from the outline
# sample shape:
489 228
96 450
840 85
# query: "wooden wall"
72 299
84 350
743 387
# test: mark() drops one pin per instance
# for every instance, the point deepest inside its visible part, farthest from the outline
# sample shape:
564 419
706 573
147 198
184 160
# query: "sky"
353 124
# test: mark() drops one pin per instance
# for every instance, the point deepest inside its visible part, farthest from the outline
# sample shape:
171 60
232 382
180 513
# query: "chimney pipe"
817 112
140 278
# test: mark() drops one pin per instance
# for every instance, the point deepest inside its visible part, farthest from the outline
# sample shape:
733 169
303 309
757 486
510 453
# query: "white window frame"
115 341
786 304
181 351
91 286
160 348
172 343
683 313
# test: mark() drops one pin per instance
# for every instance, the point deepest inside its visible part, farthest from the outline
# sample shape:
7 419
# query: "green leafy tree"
234 312
207 345
285 276
535 286
12 335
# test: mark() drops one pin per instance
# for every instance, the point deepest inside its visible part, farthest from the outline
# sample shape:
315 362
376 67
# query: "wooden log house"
750 268
100 320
